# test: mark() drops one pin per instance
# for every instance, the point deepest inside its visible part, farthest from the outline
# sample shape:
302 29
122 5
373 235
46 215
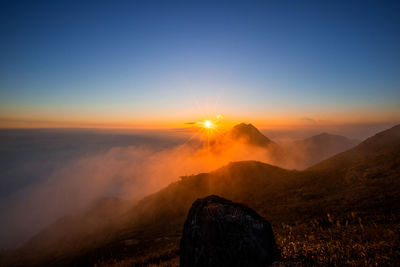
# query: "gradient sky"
162 63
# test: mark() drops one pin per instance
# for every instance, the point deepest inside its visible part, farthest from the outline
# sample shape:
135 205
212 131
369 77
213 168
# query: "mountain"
329 214
381 151
251 141
251 135
300 154
314 149
241 133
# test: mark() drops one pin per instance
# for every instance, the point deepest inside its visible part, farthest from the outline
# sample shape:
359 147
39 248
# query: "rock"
218 232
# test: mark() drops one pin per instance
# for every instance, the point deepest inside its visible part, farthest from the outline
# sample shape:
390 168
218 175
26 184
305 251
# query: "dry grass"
160 259
349 240
296 203
346 241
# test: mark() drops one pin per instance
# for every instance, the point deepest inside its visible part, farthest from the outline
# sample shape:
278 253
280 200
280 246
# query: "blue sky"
134 61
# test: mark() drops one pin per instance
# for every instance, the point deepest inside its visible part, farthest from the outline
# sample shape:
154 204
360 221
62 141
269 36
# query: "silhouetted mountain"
250 134
298 155
319 147
334 205
379 151
243 133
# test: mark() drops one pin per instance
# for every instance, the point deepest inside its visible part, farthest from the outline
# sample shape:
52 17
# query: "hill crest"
250 134
383 143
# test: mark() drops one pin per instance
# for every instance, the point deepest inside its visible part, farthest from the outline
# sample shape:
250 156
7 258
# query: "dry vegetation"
318 218
347 241
324 217
331 241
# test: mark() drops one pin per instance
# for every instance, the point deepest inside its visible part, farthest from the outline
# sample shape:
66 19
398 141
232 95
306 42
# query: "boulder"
219 232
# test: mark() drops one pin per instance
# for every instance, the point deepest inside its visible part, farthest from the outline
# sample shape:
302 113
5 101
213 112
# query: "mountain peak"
319 147
250 134
327 137
383 143
245 128
244 125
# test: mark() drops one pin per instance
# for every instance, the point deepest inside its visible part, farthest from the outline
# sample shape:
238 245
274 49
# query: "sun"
211 125
208 129
208 124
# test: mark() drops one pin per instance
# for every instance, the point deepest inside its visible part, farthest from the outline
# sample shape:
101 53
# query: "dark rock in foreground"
218 232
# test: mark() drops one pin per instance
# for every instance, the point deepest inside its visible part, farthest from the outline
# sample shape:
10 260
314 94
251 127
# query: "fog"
46 174
70 176
286 135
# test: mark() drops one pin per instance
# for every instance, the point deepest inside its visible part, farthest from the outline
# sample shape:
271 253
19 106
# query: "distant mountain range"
363 179
297 155
374 157
319 147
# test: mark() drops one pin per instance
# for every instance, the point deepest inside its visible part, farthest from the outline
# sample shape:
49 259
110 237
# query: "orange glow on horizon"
178 122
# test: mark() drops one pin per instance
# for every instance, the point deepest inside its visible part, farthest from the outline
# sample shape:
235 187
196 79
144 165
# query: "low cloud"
128 172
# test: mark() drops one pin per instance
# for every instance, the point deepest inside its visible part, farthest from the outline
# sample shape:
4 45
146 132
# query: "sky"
159 64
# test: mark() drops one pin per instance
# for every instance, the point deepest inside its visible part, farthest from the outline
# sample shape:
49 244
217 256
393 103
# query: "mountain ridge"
282 196
382 142
250 134
316 148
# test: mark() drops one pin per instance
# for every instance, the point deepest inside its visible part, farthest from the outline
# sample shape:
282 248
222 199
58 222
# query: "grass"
349 240
346 241
319 218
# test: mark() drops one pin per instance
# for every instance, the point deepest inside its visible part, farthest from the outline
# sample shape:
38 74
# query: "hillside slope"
377 154
250 140
316 148
251 135
330 214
